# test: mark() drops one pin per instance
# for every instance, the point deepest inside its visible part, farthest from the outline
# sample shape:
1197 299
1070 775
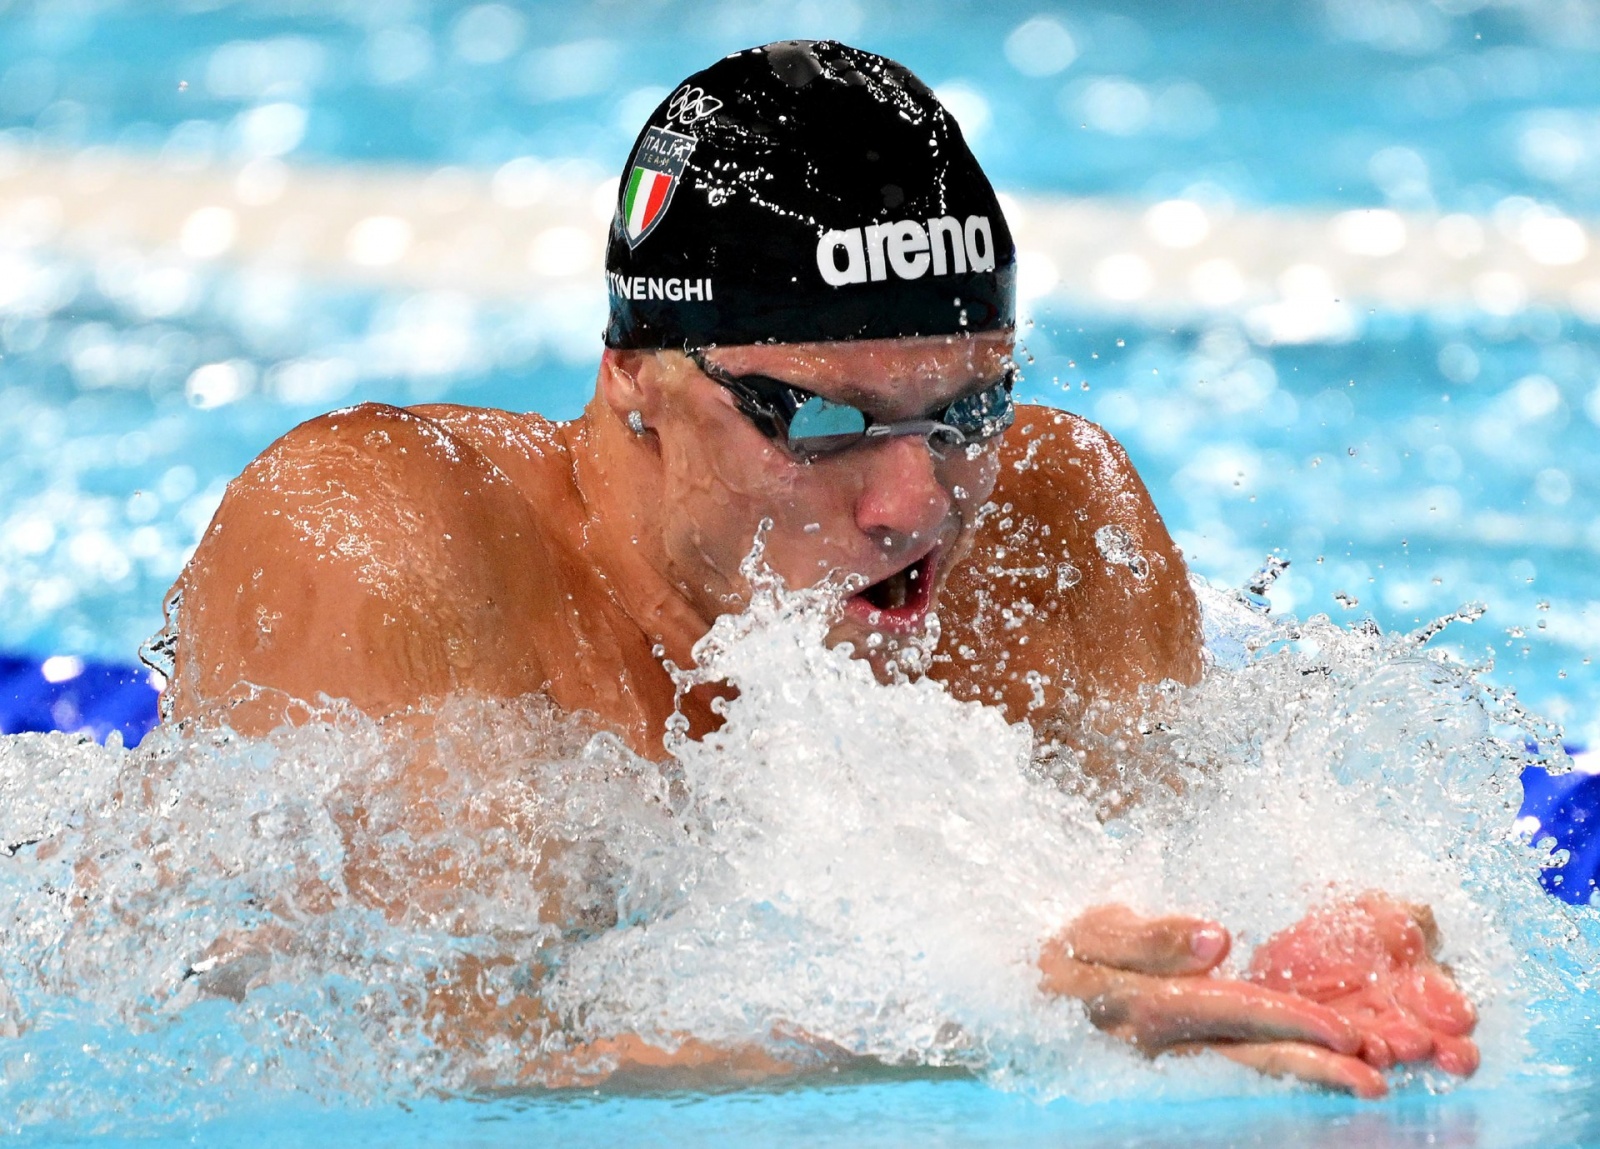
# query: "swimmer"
811 326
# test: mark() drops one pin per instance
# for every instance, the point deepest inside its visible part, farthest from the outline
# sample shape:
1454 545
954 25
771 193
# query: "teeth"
896 589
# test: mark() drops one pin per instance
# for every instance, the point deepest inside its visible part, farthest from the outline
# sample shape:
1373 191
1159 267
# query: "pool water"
1430 446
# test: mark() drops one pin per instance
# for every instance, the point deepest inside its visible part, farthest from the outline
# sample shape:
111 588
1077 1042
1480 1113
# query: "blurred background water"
1329 269
217 219
1404 458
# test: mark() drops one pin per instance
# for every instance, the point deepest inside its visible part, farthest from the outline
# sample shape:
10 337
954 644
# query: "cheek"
971 481
719 488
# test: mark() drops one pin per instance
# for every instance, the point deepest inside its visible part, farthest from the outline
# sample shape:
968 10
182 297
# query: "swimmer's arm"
361 556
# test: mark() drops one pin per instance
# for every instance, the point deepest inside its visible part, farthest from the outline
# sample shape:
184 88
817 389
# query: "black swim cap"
804 191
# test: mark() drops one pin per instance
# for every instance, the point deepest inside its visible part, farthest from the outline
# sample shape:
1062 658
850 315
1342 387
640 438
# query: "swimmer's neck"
618 533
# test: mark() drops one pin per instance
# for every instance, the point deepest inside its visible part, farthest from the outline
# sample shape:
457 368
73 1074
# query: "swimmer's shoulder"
1056 459
372 554
1072 575
534 452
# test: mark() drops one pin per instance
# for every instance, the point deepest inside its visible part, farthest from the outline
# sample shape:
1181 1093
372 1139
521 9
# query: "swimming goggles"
807 425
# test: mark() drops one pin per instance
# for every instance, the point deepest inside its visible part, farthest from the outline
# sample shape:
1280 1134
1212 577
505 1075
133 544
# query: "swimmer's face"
893 511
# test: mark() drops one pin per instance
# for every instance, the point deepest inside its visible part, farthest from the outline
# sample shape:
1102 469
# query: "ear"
628 382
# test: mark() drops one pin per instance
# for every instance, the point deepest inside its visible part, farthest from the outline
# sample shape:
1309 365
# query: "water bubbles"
1217 282
969 107
563 251
1458 235
1499 292
273 129
1041 46
1115 105
1348 601
1553 240
567 71
1125 276
1117 546
61 668
378 240
1534 397
1553 486
218 384
208 232
1177 223
1037 275
1372 232
1267 574
398 54
487 33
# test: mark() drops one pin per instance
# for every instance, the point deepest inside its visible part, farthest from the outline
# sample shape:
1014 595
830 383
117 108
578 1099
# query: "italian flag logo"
657 168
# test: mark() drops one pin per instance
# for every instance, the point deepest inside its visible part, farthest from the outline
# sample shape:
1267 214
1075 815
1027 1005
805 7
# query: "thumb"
1163 947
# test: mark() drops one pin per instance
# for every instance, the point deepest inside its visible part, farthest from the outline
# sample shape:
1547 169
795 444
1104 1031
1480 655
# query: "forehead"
881 370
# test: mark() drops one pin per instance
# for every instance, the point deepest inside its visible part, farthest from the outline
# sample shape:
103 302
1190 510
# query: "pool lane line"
534 228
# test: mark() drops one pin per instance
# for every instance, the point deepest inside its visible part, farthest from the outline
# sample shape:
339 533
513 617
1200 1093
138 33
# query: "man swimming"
810 337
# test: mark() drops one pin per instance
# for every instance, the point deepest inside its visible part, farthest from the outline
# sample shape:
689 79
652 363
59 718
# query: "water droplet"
1116 545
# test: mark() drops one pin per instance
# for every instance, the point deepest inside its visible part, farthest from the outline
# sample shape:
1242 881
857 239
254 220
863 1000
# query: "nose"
902 495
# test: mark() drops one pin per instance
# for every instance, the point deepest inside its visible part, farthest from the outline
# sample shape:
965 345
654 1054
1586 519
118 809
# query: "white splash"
846 865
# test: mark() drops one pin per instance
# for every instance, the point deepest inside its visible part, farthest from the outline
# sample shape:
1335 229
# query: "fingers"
1165 947
1407 1041
1458 1055
1309 1063
1433 996
1155 1014
1376 1052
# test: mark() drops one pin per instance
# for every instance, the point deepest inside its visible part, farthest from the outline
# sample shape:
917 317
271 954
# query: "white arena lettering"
653 287
907 247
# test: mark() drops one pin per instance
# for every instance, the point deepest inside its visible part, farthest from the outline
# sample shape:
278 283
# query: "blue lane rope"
1567 810
78 696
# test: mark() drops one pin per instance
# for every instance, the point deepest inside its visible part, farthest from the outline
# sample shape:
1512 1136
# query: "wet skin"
391 557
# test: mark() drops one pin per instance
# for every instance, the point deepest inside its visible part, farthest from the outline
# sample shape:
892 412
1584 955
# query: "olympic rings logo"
690 105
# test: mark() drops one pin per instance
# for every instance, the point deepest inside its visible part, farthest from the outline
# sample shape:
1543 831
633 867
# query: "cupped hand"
1152 982
1371 960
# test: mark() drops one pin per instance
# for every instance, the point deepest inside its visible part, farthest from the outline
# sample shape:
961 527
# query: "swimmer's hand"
1152 982
1371 960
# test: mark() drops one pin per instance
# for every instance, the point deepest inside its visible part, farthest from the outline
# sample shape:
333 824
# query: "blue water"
1438 459
925 1112
1275 101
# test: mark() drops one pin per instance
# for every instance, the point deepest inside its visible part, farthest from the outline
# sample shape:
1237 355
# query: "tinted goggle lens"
820 426
810 425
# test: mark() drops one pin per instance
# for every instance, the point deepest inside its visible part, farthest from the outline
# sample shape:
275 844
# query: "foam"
847 865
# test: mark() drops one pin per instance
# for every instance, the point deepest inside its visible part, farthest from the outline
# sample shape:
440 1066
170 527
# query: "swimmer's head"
804 192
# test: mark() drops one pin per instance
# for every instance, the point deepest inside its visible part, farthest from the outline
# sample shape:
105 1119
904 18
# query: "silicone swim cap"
804 191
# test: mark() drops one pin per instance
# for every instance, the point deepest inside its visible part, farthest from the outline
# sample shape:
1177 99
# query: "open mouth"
901 600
